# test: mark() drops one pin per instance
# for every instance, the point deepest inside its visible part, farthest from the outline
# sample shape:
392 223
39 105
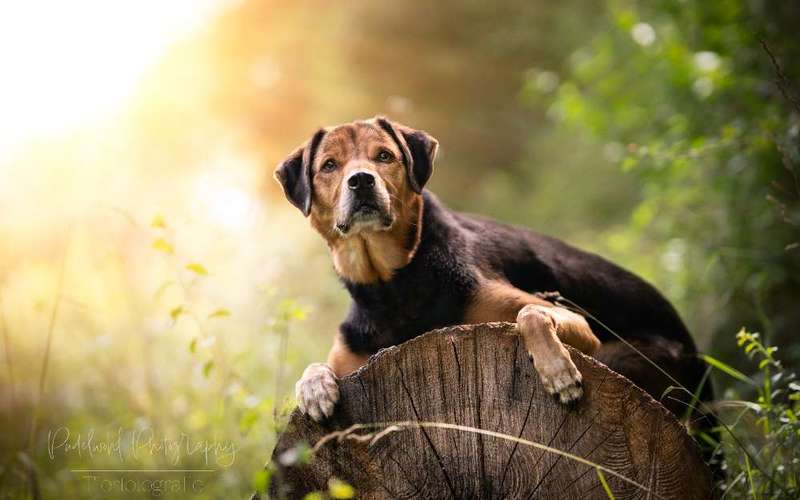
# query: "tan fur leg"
539 327
543 328
342 360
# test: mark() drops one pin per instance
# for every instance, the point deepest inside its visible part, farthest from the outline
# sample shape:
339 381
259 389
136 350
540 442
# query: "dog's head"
358 178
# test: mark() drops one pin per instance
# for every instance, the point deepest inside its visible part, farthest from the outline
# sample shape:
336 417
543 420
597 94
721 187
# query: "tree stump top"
480 377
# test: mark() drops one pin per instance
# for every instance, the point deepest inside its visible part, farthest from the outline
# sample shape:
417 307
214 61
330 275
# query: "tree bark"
481 377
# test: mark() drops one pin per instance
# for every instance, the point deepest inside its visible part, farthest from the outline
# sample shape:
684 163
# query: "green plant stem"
279 368
9 357
49 342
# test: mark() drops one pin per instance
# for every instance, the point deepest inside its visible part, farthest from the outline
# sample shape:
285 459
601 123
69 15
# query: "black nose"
360 180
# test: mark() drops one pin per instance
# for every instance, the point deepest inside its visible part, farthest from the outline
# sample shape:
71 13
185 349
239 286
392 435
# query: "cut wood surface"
481 377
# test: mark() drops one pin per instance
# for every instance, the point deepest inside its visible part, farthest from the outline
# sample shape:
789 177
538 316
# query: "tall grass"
138 338
765 416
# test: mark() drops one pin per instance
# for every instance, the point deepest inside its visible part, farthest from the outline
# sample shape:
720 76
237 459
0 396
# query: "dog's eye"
385 156
328 166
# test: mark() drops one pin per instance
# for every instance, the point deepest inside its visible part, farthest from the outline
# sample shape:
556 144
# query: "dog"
412 265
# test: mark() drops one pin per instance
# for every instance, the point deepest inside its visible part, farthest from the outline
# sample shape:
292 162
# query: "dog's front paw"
560 376
317 391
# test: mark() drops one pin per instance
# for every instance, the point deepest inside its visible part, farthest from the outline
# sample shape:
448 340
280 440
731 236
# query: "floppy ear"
295 173
418 149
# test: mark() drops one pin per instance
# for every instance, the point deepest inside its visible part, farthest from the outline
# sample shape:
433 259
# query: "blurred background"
153 279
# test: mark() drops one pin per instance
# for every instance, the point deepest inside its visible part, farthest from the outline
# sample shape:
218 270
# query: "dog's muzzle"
364 204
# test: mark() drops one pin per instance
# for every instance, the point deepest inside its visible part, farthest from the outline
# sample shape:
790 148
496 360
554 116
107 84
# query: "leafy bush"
695 101
761 442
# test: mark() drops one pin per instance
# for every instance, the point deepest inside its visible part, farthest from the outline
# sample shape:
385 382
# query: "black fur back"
435 288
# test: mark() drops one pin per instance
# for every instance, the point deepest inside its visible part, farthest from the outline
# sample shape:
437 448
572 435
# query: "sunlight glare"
68 63
225 191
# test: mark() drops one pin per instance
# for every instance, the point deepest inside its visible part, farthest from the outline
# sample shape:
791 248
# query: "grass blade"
606 487
388 427
727 369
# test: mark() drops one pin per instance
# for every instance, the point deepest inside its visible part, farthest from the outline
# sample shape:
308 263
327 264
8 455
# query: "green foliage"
162 245
261 480
219 313
685 99
158 222
175 313
725 368
165 375
340 490
762 450
197 268
697 102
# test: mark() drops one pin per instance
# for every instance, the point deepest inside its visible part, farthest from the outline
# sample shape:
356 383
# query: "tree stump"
480 376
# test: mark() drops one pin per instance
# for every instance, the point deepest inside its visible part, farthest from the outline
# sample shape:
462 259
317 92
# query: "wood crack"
614 425
425 433
516 444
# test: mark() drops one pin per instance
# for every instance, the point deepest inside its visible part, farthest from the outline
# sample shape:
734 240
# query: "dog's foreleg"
317 391
543 329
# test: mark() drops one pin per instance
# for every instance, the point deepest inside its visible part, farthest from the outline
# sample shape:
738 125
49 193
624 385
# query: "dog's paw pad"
317 391
571 394
561 378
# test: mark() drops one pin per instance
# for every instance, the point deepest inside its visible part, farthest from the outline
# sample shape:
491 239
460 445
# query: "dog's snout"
360 180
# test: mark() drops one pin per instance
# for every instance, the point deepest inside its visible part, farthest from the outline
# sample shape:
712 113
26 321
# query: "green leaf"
749 474
261 480
219 313
161 289
158 222
733 372
163 245
207 367
248 420
314 495
176 313
197 268
707 438
340 489
696 395
193 345
291 310
606 487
